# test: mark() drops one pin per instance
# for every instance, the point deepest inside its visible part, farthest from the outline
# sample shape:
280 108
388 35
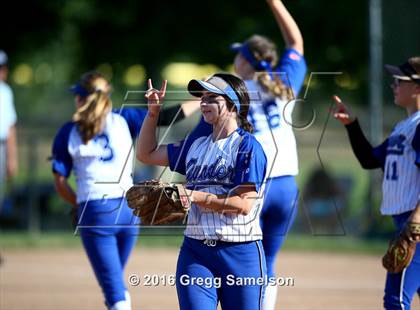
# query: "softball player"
97 146
399 158
225 172
273 85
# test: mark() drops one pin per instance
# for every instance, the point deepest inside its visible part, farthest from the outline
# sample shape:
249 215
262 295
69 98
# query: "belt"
210 242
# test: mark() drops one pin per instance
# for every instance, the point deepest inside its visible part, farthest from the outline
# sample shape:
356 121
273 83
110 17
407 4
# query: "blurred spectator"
323 200
8 142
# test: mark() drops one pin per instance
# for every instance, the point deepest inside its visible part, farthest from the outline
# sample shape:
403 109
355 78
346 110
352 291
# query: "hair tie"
265 65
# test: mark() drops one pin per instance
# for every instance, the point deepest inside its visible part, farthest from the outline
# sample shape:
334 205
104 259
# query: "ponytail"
90 117
274 86
264 51
244 123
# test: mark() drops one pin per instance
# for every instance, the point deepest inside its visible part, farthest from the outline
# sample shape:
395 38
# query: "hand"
341 112
155 97
185 196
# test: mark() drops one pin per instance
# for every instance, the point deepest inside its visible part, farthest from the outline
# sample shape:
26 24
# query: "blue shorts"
206 275
109 232
400 288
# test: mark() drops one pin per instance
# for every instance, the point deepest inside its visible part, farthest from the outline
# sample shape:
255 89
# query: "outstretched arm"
147 150
288 27
361 147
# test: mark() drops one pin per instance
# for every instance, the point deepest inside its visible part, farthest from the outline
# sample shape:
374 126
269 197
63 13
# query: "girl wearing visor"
97 146
399 158
273 84
225 173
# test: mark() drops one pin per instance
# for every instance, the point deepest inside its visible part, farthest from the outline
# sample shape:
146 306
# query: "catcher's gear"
401 250
158 203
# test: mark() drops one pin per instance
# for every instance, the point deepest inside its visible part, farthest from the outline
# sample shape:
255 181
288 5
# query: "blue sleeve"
251 163
134 118
62 163
416 145
292 69
177 152
379 152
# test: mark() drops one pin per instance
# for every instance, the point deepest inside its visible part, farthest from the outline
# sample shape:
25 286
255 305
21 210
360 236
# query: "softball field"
62 279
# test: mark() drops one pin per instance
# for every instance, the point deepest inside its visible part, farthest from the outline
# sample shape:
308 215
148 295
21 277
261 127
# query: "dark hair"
242 92
262 48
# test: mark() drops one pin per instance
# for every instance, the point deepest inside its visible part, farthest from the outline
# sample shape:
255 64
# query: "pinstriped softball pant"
400 288
220 267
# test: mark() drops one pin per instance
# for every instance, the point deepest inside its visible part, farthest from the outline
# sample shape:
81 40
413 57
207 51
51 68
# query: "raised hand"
155 97
341 112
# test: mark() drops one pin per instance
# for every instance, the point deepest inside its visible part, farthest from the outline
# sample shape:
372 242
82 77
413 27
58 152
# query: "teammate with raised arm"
399 157
225 172
273 84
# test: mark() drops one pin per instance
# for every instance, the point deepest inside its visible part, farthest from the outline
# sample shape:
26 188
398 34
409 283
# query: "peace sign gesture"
341 112
155 97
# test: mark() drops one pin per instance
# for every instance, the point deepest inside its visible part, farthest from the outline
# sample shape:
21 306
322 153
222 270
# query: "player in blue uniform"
225 173
98 147
399 158
273 84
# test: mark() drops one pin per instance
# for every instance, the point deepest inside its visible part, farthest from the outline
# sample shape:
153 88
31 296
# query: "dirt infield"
62 279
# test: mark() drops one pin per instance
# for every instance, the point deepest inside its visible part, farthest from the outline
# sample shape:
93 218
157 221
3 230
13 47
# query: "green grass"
306 243
335 244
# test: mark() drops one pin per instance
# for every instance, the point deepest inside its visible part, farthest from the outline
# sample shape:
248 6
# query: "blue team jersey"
292 69
103 166
218 167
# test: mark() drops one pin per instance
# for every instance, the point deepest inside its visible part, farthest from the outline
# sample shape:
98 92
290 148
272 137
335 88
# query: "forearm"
223 203
12 160
361 147
147 143
65 191
415 216
288 27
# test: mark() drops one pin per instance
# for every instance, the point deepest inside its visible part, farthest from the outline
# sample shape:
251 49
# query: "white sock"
128 298
270 296
121 305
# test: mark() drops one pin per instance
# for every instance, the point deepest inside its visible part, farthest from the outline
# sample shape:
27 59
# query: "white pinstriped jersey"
272 118
218 167
401 183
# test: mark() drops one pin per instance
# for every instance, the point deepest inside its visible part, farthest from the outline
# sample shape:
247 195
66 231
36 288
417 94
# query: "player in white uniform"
273 85
98 146
8 119
399 158
225 172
